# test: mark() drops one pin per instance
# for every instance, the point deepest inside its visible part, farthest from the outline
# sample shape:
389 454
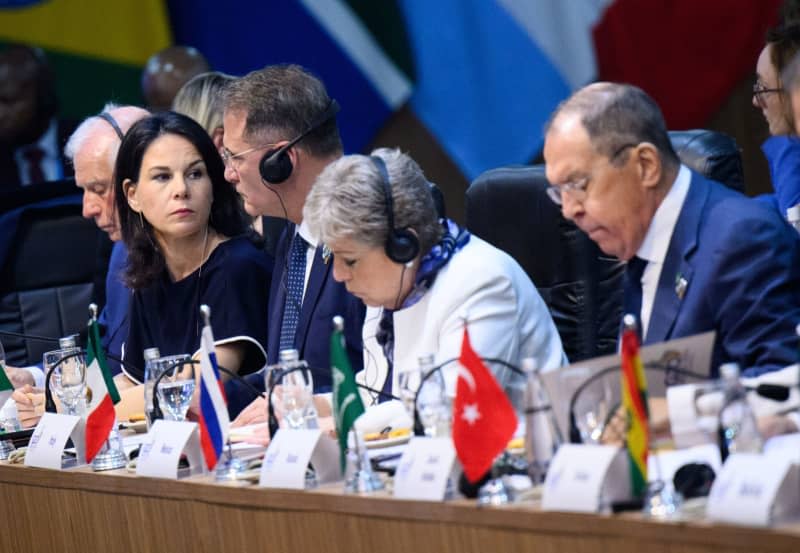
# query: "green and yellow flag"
347 404
634 401
6 388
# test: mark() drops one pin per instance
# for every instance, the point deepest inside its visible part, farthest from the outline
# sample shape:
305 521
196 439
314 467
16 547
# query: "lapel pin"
680 286
326 253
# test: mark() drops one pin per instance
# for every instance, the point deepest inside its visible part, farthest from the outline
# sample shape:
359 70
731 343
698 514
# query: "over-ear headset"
402 245
276 165
108 118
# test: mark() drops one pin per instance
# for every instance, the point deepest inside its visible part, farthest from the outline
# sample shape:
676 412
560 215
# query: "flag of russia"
214 421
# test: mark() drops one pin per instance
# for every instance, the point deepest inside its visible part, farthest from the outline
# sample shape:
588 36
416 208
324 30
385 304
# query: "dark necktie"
34 156
632 302
295 282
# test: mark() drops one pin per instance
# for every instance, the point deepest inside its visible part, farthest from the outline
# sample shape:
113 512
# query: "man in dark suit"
31 135
280 133
700 256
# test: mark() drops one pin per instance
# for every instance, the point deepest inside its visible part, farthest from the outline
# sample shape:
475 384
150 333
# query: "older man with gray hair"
700 256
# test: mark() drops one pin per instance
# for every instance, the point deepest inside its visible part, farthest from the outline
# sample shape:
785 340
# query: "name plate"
47 443
586 478
289 454
754 489
424 469
161 450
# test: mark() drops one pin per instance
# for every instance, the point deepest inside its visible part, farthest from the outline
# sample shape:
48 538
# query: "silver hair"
348 201
125 116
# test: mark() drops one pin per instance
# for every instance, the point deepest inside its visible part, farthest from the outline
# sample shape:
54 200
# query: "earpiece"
402 245
276 165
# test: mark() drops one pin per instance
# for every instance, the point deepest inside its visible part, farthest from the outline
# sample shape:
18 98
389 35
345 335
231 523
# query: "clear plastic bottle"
793 216
150 355
434 406
739 430
542 437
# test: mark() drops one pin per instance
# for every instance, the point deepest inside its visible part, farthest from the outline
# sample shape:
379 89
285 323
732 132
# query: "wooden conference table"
82 511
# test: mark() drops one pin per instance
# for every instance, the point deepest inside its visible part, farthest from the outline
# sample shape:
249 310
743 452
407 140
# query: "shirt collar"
305 233
656 241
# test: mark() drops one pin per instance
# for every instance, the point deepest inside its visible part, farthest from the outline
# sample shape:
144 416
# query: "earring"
141 219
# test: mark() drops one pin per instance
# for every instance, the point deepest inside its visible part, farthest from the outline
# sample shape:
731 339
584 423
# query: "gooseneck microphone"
157 413
272 418
419 430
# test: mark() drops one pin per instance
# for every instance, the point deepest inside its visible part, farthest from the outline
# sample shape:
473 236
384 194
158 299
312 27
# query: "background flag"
634 401
483 418
101 416
347 404
6 388
214 420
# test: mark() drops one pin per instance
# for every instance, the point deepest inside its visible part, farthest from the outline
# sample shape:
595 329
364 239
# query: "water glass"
434 407
297 389
408 384
177 385
68 381
153 369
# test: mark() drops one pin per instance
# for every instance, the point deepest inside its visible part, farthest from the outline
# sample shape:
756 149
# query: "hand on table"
30 405
253 413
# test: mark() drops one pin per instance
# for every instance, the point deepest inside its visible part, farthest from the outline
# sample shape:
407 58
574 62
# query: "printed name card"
424 469
161 450
586 478
289 454
47 443
755 489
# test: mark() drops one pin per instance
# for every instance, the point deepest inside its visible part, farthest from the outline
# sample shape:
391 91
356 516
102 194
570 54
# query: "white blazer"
484 286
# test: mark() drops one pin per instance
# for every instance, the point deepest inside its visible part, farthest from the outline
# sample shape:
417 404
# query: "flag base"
230 469
111 456
494 492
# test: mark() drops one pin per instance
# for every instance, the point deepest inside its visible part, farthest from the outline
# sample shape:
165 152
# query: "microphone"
775 392
272 418
157 413
666 365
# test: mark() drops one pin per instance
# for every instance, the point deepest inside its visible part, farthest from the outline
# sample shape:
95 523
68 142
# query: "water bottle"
150 355
737 422
302 389
793 216
434 406
542 437
71 376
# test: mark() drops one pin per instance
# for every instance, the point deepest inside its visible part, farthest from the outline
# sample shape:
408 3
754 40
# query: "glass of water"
68 381
434 406
177 385
297 389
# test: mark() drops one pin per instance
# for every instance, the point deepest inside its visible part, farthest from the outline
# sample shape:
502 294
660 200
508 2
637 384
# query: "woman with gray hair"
422 278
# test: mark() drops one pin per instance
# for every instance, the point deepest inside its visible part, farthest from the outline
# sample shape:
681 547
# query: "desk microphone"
272 419
157 413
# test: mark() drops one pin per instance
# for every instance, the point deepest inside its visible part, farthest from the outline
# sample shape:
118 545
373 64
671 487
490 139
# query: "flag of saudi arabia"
6 389
103 394
347 404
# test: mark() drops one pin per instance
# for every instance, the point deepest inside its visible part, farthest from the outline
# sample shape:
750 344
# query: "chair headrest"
713 154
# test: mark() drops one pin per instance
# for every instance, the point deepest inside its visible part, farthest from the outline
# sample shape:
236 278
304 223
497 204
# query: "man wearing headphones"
280 133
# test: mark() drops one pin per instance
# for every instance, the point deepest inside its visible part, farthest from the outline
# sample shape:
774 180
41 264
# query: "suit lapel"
277 296
316 281
676 274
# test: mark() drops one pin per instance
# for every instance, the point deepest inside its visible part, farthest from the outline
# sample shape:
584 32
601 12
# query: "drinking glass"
177 385
297 388
153 369
433 406
68 381
408 384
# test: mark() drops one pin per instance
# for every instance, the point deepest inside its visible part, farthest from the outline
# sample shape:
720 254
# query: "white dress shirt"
656 241
305 234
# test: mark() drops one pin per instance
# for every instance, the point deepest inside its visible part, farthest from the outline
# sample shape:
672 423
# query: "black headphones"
276 165
402 245
108 118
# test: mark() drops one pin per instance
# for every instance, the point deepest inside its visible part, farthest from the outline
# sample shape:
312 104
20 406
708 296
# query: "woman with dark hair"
188 244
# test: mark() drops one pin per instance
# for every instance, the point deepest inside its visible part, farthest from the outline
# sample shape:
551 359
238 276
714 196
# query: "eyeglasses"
233 160
759 89
577 188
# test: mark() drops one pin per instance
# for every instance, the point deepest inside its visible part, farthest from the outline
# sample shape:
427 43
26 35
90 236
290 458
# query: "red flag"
483 418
